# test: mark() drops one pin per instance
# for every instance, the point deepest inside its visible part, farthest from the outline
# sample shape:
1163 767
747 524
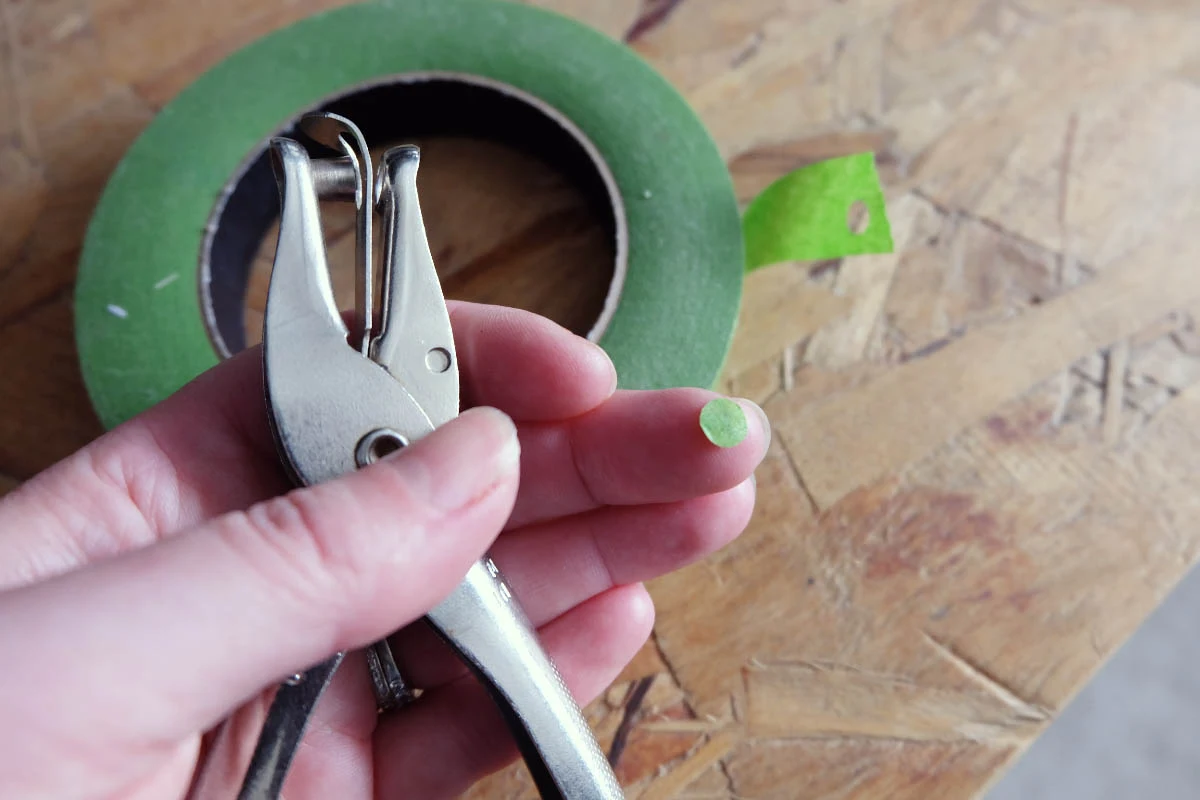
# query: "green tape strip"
806 214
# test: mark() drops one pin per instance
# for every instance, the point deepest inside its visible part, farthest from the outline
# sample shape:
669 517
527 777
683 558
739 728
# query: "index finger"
208 450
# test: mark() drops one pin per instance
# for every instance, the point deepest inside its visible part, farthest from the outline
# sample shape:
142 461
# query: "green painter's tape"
140 331
804 216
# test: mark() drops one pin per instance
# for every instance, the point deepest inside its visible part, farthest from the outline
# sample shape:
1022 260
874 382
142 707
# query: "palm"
614 490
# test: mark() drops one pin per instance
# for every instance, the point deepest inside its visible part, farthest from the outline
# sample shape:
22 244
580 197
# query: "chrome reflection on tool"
403 383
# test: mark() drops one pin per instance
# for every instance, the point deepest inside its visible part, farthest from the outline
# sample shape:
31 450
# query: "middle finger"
637 447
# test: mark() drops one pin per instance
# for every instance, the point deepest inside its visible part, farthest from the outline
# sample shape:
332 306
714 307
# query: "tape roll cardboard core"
390 111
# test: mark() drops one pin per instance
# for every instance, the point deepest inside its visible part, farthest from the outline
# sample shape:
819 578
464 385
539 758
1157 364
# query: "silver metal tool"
336 407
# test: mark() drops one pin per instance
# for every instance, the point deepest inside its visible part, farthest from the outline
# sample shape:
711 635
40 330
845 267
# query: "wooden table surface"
981 477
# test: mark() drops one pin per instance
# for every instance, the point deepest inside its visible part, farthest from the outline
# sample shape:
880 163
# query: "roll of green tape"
141 324
162 276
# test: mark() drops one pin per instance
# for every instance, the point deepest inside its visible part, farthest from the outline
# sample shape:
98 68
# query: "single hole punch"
335 408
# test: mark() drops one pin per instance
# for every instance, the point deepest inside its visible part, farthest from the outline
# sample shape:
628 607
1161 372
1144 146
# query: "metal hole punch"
339 399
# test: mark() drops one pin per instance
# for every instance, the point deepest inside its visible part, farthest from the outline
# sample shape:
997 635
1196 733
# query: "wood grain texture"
980 482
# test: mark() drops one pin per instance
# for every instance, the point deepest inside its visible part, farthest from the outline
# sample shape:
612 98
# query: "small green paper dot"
724 422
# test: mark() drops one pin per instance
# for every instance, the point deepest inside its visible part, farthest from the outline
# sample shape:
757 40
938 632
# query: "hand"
166 577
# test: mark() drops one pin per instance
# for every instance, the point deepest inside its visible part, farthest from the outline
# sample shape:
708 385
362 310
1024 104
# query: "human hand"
166 577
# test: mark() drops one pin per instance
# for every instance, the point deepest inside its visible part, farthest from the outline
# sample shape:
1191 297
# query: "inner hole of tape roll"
519 207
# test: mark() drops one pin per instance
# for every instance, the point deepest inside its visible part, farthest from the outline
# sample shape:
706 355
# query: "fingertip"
688 531
473 456
602 365
527 365
638 447
584 375
499 426
640 610
759 424
728 515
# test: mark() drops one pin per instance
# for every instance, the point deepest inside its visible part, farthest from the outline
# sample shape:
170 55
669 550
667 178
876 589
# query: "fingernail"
602 354
463 460
755 412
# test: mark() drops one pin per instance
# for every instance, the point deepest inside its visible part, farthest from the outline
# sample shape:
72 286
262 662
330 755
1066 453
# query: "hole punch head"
438 106
329 130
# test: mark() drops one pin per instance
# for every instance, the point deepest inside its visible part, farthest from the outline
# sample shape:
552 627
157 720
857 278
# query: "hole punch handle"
490 632
281 734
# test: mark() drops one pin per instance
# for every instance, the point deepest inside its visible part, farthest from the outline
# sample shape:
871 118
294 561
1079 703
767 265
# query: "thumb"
166 641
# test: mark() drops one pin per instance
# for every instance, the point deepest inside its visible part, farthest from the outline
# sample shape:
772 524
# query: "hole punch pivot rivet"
378 444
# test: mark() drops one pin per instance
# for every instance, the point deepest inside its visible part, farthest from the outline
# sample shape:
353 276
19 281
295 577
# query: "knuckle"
291 541
328 549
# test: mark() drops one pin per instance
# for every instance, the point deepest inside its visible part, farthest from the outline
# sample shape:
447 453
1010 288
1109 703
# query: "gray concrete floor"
1134 731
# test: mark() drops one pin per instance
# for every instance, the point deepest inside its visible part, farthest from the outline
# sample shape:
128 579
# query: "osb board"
979 484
